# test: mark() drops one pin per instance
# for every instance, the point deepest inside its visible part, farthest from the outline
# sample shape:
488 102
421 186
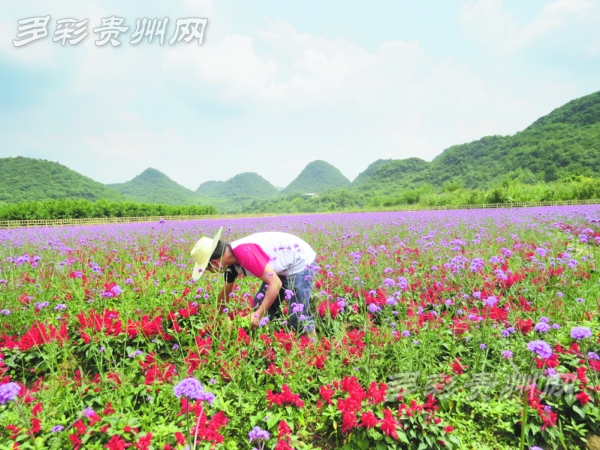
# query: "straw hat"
202 251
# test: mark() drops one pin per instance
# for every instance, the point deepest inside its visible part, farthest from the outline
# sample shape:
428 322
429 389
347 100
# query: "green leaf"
579 411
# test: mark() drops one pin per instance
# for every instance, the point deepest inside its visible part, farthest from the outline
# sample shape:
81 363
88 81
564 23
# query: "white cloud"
303 70
486 23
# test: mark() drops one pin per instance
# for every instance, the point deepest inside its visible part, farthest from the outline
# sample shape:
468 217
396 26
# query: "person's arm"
273 285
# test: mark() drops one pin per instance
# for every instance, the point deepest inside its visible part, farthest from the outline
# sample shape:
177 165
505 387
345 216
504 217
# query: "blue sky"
276 85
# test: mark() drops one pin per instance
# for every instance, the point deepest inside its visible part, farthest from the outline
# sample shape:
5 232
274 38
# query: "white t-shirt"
288 254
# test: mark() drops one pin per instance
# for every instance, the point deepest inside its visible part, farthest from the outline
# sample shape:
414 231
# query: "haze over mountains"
565 141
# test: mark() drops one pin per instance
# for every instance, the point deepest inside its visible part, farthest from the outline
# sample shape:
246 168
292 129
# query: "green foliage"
366 174
565 142
572 187
317 177
242 186
153 186
78 209
27 179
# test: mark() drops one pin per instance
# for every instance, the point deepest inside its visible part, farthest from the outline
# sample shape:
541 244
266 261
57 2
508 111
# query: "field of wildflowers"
458 329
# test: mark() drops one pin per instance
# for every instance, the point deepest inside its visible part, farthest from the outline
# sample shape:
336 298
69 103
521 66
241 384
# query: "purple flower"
258 434
580 332
263 321
507 354
541 348
388 282
40 305
136 353
491 301
60 307
374 308
88 412
405 333
8 392
542 327
402 283
592 355
579 300
191 389
535 447
482 346
57 428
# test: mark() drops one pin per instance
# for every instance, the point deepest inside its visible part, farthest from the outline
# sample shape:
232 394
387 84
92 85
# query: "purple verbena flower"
580 333
542 327
258 434
373 308
192 389
88 412
541 348
8 392
491 301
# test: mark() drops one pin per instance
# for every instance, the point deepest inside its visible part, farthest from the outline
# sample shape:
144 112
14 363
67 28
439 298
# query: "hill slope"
566 141
317 176
153 186
246 185
30 179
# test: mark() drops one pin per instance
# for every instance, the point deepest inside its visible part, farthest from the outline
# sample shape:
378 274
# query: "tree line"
80 209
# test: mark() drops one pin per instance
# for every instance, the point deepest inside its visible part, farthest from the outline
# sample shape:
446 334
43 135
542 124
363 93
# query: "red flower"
180 438
368 420
283 429
287 397
116 443
449 429
524 325
457 368
389 424
144 442
583 397
327 393
377 394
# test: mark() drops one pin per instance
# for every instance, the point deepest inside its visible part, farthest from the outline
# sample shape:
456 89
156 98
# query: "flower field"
473 329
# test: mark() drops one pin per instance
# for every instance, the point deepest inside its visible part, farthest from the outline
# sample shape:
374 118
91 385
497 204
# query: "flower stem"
198 426
27 424
187 419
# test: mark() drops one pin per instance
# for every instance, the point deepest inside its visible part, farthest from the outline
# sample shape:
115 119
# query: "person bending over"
283 262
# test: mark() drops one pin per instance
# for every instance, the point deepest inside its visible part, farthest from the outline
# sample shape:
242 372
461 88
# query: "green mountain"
243 185
317 177
27 179
562 143
153 186
366 174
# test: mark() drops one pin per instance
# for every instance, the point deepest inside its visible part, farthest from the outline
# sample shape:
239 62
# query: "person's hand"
255 318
